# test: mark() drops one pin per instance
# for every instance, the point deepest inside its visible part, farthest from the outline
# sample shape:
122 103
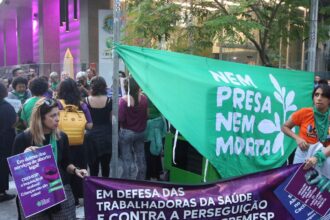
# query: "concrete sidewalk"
8 209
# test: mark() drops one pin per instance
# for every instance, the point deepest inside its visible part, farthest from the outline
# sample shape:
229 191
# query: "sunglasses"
50 102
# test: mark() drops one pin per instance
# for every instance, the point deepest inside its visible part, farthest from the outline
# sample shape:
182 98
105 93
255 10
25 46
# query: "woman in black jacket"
43 130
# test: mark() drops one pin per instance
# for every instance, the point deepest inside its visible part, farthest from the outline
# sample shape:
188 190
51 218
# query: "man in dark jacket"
7 134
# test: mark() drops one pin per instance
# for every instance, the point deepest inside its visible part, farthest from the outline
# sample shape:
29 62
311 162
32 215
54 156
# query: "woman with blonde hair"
43 130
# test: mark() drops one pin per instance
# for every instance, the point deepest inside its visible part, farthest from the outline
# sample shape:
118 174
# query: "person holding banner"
44 130
313 123
318 158
7 134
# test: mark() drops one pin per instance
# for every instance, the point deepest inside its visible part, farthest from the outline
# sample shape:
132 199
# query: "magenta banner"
38 181
256 196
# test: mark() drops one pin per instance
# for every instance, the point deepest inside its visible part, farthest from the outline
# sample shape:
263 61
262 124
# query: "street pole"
312 35
115 88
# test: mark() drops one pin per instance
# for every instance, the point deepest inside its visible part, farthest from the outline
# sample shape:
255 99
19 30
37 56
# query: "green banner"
231 113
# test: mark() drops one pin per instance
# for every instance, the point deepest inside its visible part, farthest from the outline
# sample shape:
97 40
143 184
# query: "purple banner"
38 181
246 197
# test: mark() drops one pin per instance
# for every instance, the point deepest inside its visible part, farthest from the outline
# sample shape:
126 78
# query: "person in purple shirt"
133 115
69 93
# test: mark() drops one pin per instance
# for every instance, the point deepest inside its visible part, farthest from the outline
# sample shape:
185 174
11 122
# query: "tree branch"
257 13
222 7
271 20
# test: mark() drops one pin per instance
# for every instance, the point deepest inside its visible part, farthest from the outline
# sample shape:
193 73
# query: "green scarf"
53 86
21 96
321 124
53 144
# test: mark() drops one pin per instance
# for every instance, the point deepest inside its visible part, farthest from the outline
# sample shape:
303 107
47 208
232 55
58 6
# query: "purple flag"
246 197
38 181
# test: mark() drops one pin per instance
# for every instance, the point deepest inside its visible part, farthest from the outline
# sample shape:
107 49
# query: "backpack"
72 122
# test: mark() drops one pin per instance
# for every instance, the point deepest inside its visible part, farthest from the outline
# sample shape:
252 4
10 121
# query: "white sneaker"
80 212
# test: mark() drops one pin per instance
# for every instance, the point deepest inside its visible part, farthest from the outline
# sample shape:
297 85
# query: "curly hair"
19 80
38 86
98 86
69 92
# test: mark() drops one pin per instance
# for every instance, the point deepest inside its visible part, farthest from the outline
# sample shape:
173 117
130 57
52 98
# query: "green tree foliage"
150 21
193 26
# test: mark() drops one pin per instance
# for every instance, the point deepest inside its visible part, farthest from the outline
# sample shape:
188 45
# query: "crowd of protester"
36 123
142 129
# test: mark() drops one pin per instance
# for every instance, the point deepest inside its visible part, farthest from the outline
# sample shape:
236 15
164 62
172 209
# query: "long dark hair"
68 91
134 89
98 86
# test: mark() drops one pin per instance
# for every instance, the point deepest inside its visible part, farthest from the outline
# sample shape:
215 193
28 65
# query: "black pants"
78 155
4 174
104 160
154 163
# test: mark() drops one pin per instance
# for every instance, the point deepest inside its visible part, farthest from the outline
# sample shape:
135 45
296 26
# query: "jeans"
132 154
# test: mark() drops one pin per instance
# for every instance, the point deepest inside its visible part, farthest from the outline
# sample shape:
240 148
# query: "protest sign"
297 209
247 197
37 179
303 186
231 113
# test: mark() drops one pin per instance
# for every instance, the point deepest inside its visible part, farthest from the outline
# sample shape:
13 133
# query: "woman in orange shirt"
313 123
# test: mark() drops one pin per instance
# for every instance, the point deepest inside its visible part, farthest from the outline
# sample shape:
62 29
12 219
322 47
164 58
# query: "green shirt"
27 109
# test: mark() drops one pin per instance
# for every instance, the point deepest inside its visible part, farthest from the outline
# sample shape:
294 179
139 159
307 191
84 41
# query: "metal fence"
41 69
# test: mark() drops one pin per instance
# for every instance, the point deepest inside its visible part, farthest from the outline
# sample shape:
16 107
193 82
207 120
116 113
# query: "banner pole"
115 87
312 43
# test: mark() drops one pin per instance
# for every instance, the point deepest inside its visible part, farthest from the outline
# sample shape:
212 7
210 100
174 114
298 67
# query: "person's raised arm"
286 129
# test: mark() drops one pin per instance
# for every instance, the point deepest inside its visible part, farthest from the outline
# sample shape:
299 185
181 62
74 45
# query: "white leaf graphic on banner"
278 143
292 108
278 97
275 83
283 92
267 126
289 99
277 122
